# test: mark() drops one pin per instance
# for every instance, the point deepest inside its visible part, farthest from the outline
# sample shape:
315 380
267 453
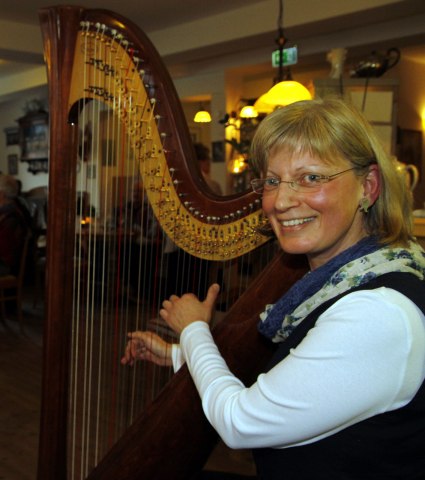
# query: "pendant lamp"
202 116
248 111
284 93
285 90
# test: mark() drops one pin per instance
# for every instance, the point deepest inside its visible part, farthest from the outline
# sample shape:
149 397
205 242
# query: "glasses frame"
257 184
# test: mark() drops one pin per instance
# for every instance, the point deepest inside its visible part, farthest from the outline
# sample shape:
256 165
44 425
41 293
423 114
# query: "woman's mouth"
296 221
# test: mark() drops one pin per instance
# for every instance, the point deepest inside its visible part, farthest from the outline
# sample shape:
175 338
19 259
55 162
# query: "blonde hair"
330 129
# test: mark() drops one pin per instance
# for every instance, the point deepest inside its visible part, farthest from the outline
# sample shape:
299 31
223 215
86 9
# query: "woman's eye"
271 182
310 179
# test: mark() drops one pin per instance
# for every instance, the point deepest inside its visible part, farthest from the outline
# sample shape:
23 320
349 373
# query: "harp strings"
125 264
112 256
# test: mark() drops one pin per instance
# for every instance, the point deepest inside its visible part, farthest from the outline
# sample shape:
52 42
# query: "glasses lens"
257 185
299 187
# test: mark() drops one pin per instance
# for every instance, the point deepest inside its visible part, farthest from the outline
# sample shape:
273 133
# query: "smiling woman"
331 193
317 216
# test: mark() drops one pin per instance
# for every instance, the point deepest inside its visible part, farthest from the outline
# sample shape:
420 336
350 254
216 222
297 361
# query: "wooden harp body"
98 58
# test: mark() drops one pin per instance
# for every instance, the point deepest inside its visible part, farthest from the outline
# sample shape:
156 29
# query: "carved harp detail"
95 57
110 68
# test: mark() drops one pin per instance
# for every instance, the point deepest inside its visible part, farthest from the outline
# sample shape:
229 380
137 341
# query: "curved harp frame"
115 67
222 228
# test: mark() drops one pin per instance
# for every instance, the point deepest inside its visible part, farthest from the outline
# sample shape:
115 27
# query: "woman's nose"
285 197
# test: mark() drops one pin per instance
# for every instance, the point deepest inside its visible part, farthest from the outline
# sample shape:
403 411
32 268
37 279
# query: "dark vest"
387 446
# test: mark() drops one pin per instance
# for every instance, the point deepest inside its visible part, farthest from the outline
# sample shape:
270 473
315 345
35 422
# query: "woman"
344 395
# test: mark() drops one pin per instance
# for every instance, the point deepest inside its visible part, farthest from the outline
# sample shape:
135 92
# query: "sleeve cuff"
177 356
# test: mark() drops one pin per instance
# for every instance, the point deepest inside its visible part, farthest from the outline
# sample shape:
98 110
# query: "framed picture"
34 136
12 136
218 151
12 164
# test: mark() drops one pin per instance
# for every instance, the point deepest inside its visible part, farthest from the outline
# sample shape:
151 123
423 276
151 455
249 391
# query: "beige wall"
223 91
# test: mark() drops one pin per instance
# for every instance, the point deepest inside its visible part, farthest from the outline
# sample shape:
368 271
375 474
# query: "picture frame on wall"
12 164
34 136
34 141
12 136
218 151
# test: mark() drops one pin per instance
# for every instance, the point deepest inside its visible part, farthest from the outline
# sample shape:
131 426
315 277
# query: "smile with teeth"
296 221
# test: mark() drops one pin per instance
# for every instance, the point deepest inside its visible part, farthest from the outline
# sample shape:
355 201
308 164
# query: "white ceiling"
147 14
376 24
150 15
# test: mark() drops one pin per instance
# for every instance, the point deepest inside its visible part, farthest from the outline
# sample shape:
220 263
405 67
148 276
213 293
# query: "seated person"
14 226
204 159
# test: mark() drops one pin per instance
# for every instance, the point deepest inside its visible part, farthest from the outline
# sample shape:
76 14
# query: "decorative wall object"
12 136
218 151
336 57
12 164
34 140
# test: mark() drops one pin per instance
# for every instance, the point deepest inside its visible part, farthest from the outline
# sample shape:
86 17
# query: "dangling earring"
364 205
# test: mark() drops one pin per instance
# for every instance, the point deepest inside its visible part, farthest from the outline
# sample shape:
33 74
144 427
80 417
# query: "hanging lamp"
202 116
248 111
285 90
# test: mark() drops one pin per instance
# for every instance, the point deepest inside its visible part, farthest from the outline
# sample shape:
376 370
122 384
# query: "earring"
364 205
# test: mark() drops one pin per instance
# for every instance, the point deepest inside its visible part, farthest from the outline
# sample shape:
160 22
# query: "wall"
10 112
211 87
410 101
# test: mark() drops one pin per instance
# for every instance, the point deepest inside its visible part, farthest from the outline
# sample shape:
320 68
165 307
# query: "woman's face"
320 224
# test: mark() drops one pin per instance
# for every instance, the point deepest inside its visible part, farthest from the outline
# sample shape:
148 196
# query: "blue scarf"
354 266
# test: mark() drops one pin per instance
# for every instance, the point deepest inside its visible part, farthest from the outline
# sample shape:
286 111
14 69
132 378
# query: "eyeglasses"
306 183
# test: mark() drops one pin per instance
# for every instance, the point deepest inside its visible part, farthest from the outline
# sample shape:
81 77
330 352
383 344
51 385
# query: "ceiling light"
248 111
285 90
202 116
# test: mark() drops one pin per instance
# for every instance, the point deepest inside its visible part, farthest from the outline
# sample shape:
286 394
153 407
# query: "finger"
212 295
134 350
137 335
126 358
166 304
127 355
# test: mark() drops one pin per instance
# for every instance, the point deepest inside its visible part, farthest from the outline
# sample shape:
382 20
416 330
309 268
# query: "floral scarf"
355 266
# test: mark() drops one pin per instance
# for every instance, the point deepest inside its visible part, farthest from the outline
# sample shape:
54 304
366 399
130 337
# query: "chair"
39 265
36 200
11 286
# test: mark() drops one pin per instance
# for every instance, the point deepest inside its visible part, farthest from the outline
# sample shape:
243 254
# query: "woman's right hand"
147 346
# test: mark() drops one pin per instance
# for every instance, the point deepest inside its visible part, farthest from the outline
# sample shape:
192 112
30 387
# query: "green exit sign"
290 56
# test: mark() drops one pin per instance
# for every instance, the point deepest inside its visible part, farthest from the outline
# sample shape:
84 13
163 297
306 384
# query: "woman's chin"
295 246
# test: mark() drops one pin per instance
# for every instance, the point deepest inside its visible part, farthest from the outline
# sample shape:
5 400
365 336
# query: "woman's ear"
372 184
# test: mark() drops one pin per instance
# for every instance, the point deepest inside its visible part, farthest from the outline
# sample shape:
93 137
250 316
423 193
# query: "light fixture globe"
262 107
285 93
202 116
248 111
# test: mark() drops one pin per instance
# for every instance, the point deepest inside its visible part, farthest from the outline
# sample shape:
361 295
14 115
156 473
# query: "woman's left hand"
179 312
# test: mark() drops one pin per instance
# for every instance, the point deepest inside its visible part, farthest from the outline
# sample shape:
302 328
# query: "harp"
103 72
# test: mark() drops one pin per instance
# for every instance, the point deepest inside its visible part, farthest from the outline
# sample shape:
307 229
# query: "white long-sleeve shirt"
364 356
